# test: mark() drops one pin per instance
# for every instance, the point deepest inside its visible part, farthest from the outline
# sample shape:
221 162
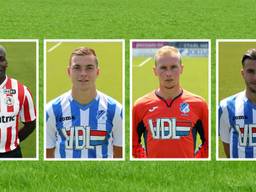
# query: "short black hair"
249 54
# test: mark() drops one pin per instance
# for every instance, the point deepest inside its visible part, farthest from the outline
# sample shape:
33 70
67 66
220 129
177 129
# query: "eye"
76 67
89 67
250 71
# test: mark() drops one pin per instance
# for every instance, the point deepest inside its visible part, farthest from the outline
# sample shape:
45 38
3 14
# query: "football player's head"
3 62
168 67
83 68
167 51
248 70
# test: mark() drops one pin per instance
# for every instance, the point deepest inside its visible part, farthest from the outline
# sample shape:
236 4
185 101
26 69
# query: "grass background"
129 20
21 57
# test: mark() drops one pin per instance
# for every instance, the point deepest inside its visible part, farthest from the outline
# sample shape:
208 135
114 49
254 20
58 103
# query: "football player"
237 114
169 118
84 122
16 105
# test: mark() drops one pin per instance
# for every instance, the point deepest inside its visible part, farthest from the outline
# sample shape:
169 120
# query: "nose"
168 72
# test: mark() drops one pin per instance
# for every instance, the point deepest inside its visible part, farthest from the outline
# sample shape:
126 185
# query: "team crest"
100 114
9 101
184 108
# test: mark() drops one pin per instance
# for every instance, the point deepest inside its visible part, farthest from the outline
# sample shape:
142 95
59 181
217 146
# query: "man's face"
168 70
3 66
83 72
249 74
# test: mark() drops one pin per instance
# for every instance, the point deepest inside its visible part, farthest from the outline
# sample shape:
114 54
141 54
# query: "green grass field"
128 20
230 79
21 58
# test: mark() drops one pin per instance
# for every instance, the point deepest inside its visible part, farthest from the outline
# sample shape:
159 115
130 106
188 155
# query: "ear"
242 72
98 71
181 66
68 70
155 72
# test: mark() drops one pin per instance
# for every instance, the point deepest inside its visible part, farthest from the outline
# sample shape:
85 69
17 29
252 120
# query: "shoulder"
228 101
145 100
58 100
191 97
105 99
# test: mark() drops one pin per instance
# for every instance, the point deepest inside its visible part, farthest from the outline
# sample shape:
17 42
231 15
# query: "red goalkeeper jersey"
169 128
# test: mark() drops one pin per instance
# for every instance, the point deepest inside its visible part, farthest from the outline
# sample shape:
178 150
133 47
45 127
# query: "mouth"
169 80
83 81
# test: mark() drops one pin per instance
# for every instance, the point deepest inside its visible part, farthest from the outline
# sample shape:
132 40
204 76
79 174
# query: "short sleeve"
224 125
50 128
27 112
118 126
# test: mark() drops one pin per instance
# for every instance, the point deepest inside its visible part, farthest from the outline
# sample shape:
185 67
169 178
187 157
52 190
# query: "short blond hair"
167 51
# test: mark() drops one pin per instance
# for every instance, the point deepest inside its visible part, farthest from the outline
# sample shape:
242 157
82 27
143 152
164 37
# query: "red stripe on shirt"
17 131
8 139
26 110
20 94
98 133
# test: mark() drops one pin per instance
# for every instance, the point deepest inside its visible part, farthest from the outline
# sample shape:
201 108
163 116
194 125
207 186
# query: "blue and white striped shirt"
83 131
237 125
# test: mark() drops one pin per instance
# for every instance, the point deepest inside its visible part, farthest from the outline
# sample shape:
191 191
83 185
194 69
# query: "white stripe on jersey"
84 118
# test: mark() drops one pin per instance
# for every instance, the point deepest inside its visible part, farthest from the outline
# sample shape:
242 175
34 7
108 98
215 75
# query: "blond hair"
167 51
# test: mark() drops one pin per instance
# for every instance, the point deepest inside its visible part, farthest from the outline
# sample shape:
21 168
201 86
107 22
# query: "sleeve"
137 149
50 128
204 133
224 124
28 111
118 126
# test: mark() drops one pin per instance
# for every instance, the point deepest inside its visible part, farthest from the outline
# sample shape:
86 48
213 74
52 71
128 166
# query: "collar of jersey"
86 106
4 82
166 102
247 100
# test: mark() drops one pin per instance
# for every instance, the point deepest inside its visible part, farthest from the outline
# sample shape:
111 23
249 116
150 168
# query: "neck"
2 78
83 97
169 93
251 96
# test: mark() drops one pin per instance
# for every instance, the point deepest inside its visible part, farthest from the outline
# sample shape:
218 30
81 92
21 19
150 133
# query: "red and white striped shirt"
16 104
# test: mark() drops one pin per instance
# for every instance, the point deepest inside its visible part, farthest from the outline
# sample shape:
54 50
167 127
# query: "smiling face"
83 72
249 74
168 68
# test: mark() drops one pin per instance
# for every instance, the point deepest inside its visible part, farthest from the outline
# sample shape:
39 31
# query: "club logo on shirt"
82 137
9 91
184 108
247 135
169 128
100 114
9 101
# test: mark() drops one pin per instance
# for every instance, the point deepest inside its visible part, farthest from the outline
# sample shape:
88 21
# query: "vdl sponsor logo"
247 134
166 128
77 137
7 119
